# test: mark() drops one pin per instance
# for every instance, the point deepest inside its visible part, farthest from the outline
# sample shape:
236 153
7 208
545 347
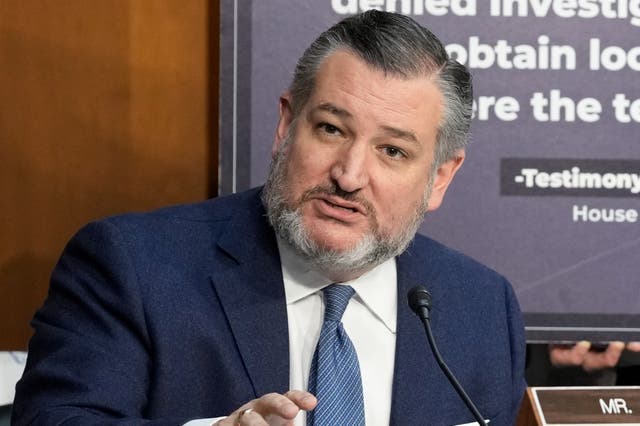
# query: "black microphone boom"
420 303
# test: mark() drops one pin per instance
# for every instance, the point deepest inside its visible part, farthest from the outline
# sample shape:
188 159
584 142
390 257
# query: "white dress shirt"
369 320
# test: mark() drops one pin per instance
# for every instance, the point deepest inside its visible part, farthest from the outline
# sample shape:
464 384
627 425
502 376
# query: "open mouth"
348 209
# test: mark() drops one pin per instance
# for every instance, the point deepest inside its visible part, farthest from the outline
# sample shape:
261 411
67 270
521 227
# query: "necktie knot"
336 300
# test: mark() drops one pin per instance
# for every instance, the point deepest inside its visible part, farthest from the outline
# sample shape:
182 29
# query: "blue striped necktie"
334 377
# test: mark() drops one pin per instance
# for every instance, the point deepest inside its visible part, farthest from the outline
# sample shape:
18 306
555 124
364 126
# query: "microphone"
420 303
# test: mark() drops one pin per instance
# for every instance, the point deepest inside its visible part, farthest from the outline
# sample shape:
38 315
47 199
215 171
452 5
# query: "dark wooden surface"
567 406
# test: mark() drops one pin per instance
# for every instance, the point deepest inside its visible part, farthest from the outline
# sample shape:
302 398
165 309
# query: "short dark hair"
398 46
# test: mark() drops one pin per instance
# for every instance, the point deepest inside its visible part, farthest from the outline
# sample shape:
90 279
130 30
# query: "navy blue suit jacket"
178 314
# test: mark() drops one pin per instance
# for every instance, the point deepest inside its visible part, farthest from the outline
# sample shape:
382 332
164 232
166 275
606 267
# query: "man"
214 310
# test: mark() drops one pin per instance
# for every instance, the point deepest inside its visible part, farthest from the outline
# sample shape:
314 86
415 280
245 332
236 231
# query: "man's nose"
351 169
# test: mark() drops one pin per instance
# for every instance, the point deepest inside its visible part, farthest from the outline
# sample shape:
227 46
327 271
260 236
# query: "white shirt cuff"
203 422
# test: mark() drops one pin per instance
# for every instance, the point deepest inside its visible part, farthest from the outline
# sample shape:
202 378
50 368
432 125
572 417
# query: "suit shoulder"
211 210
219 209
187 222
425 246
460 269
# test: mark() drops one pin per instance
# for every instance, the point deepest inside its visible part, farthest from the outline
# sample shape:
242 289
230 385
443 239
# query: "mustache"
335 190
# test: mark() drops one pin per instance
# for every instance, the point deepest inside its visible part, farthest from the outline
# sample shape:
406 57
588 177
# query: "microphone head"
419 299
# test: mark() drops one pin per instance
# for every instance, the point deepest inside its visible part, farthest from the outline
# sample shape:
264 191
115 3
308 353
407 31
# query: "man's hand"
580 355
272 409
633 346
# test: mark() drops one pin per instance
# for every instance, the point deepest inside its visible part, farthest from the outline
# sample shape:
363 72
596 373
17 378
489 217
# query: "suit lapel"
248 282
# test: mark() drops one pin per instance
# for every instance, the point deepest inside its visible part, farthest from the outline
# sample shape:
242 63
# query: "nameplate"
557 406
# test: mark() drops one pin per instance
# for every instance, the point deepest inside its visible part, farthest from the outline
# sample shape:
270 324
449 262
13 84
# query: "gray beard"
374 247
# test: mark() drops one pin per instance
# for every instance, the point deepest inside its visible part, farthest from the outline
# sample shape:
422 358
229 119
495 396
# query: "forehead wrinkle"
341 92
404 110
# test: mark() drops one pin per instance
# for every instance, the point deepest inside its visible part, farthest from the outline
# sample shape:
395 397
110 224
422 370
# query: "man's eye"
329 128
393 152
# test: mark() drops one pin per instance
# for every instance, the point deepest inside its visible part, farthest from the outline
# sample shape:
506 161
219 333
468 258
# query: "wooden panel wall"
106 106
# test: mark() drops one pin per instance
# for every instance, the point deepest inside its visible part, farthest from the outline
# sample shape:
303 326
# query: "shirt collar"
376 289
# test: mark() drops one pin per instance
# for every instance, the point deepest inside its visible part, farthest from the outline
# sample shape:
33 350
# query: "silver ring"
242 413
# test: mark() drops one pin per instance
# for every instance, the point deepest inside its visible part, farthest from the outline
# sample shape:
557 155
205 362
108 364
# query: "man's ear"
442 178
284 122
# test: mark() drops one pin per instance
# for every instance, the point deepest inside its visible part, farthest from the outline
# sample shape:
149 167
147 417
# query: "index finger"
561 355
284 406
305 400
608 358
633 346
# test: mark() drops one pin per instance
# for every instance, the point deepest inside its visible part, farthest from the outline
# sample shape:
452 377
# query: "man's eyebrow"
331 108
407 135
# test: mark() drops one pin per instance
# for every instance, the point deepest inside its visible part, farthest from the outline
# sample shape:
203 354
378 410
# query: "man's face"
358 160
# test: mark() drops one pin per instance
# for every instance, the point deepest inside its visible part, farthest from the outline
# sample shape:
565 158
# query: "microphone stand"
452 379
420 303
